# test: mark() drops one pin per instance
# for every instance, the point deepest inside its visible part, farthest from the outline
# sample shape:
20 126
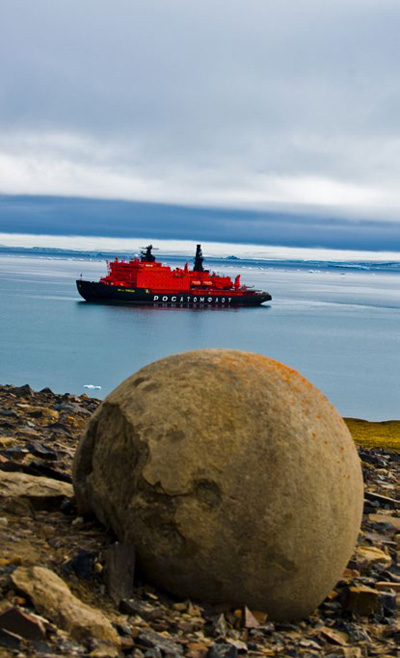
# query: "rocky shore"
67 589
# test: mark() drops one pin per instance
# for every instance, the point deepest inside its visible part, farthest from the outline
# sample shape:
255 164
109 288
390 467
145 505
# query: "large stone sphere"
234 477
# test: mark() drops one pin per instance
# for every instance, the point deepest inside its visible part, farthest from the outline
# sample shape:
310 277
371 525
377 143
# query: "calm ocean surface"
338 326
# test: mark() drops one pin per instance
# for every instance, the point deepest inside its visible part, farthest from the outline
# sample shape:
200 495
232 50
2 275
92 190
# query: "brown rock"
333 636
362 600
120 571
196 650
40 412
367 556
346 652
233 476
40 492
6 441
52 597
388 585
260 616
350 574
248 619
385 518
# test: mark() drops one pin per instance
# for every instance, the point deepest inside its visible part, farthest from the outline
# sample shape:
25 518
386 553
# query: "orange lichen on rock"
232 475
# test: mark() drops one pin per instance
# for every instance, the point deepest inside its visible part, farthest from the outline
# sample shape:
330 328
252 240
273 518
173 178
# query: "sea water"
336 323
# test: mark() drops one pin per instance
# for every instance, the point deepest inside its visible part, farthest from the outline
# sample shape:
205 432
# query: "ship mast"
146 256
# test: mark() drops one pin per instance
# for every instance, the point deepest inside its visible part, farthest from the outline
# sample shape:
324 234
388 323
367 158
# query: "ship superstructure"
147 281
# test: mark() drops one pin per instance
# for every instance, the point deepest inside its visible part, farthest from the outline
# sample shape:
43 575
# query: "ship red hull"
93 291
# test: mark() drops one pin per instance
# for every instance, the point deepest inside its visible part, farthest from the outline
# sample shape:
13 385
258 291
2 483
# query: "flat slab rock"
41 492
150 638
52 598
25 625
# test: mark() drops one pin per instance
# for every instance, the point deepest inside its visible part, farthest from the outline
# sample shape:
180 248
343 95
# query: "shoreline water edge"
367 433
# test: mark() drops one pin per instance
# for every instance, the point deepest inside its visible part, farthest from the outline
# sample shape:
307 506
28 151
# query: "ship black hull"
99 292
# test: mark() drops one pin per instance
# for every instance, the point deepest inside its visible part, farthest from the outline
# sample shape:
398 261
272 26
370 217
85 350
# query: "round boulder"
235 479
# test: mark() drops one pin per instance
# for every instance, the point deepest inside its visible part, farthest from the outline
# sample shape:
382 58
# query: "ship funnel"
198 260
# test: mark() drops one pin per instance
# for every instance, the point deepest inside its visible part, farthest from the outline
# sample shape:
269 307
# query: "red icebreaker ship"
146 281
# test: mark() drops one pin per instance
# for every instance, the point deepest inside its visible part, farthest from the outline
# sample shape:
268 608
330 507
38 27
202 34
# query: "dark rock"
151 639
5 425
123 630
55 542
40 450
393 573
59 428
68 507
141 608
24 391
370 507
383 528
388 601
28 431
222 650
71 408
9 640
372 457
252 647
16 452
42 647
8 413
285 626
382 501
64 406
14 620
220 628
35 413
331 607
83 564
38 468
155 652
357 634
11 466
46 391
120 570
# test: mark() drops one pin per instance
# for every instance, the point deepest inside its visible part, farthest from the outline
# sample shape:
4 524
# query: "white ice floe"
186 247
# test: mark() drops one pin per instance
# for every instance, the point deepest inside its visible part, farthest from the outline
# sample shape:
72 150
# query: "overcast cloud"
290 105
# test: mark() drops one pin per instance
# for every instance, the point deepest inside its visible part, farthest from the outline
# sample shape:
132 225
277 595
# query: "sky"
286 108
